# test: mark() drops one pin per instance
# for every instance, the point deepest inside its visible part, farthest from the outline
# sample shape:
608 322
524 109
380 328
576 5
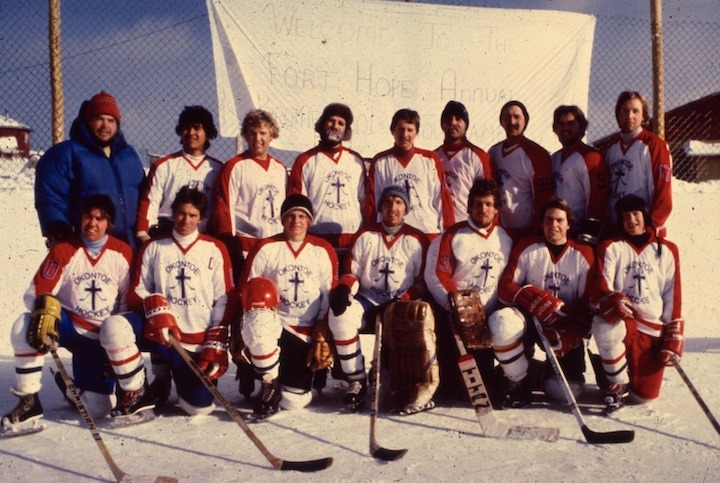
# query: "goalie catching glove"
320 355
542 304
213 360
614 307
159 320
673 342
470 319
44 321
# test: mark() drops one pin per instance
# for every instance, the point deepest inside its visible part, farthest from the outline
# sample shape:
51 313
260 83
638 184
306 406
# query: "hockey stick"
119 474
593 437
278 464
480 401
697 397
376 450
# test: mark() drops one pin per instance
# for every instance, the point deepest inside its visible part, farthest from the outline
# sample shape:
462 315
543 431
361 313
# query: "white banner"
292 58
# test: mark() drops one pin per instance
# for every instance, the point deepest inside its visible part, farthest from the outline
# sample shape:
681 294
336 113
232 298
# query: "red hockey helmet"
259 293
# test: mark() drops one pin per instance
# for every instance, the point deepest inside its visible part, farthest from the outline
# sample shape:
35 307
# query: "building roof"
8 122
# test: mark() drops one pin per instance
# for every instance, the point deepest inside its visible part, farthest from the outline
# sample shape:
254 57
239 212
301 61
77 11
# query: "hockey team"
282 270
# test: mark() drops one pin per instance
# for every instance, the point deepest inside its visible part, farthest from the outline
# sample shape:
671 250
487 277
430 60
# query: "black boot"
269 401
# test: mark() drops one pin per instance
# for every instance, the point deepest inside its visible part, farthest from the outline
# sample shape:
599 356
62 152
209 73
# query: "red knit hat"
103 103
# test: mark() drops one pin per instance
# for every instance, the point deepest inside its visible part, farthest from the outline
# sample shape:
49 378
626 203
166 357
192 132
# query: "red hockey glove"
214 355
159 320
562 340
614 307
546 307
673 342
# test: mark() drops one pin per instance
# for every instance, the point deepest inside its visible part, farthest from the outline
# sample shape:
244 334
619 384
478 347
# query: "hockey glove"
159 320
546 307
673 342
213 360
320 355
44 322
470 319
614 307
562 340
339 299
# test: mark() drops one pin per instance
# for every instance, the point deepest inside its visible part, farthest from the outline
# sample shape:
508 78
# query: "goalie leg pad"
469 317
118 339
345 330
507 327
609 339
409 335
28 361
261 330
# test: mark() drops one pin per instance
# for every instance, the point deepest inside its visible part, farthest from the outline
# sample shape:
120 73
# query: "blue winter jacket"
72 170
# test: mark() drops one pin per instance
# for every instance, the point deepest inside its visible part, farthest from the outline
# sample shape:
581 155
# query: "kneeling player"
288 349
81 282
639 328
183 285
384 264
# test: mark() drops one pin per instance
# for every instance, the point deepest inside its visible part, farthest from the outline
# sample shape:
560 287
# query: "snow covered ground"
674 441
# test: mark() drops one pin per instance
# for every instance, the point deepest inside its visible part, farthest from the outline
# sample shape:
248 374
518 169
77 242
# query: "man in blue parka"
96 160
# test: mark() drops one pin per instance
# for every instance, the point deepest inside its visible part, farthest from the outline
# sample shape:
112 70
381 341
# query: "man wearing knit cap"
463 161
523 170
333 177
287 347
95 160
384 264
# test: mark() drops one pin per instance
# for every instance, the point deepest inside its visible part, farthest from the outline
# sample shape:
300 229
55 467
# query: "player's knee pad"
195 410
18 338
507 325
607 335
115 332
98 405
261 330
346 325
294 398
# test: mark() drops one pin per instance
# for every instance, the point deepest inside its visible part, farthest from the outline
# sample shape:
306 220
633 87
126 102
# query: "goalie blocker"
409 335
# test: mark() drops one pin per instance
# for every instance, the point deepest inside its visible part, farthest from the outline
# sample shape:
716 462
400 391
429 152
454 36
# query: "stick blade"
609 437
306 466
147 479
386 454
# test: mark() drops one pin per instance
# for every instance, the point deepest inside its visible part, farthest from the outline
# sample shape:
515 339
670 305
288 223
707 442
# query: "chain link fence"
155 64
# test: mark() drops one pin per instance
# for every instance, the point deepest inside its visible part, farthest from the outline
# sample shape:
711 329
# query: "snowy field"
674 441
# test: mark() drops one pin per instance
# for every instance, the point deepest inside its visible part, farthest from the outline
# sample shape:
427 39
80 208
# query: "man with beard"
463 161
95 160
581 177
523 170
333 178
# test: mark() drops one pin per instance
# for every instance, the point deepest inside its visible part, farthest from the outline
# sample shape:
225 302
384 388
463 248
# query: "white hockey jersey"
581 179
465 257
334 181
387 267
249 195
463 164
167 175
568 276
196 281
90 289
421 173
649 276
303 274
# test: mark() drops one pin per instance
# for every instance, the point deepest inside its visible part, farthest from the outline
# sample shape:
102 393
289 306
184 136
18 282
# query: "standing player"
385 263
581 177
639 162
333 178
470 255
183 286
189 167
419 171
463 161
639 328
82 281
95 160
288 347
547 277
523 170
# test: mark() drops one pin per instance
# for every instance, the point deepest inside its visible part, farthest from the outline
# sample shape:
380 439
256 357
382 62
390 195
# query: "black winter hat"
457 109
297 202
336 109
